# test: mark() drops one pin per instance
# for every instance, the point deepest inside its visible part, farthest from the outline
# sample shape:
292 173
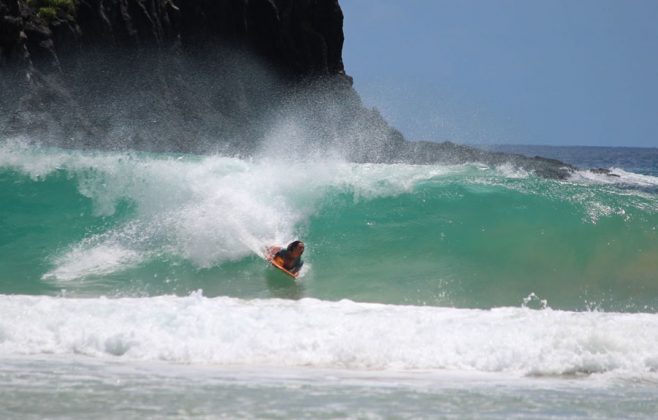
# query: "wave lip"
343 334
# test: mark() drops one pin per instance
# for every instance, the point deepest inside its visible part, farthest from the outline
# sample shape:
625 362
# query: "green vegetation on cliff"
51 9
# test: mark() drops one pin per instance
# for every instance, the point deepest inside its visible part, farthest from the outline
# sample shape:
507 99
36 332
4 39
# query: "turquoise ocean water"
131 284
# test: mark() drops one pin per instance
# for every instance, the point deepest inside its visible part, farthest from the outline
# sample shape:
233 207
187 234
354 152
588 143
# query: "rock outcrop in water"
196 76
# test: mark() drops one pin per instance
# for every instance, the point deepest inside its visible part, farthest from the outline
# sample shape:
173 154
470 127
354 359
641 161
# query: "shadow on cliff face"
164 75
148 100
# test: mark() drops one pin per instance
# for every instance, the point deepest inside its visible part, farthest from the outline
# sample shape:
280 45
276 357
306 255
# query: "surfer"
290 257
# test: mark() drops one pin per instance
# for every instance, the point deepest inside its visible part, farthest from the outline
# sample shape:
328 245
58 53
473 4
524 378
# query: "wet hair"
293 245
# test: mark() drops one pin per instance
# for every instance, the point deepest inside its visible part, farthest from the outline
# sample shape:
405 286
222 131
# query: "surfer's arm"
295 269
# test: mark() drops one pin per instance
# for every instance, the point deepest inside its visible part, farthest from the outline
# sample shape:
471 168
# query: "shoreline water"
102 389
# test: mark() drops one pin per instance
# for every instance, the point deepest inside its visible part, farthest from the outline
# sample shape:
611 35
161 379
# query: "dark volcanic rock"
161 74
196 76
450 153
603 171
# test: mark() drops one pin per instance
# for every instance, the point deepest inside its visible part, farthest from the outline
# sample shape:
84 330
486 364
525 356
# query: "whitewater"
344 334
138 277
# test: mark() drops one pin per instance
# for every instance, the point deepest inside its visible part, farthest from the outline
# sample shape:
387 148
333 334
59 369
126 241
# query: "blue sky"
558 72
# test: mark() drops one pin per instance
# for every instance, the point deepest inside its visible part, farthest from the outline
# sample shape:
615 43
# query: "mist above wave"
227 101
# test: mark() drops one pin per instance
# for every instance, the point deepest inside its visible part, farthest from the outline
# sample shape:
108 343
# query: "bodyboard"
269 254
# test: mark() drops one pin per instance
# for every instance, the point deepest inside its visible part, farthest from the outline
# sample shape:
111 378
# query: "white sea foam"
343 334
510 171
616 176
207 210
98 260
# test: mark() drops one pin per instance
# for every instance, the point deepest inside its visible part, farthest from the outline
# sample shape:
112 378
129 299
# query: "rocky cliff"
195 76
167 74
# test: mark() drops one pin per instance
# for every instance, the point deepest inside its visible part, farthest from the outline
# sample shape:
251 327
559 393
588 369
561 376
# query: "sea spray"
138 224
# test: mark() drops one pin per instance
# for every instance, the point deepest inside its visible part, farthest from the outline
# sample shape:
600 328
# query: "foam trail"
97 261
341 334
207 210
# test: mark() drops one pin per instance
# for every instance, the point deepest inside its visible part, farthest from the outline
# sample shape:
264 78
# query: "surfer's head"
296 248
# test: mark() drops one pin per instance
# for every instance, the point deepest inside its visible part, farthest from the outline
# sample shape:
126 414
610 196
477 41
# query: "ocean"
132 286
